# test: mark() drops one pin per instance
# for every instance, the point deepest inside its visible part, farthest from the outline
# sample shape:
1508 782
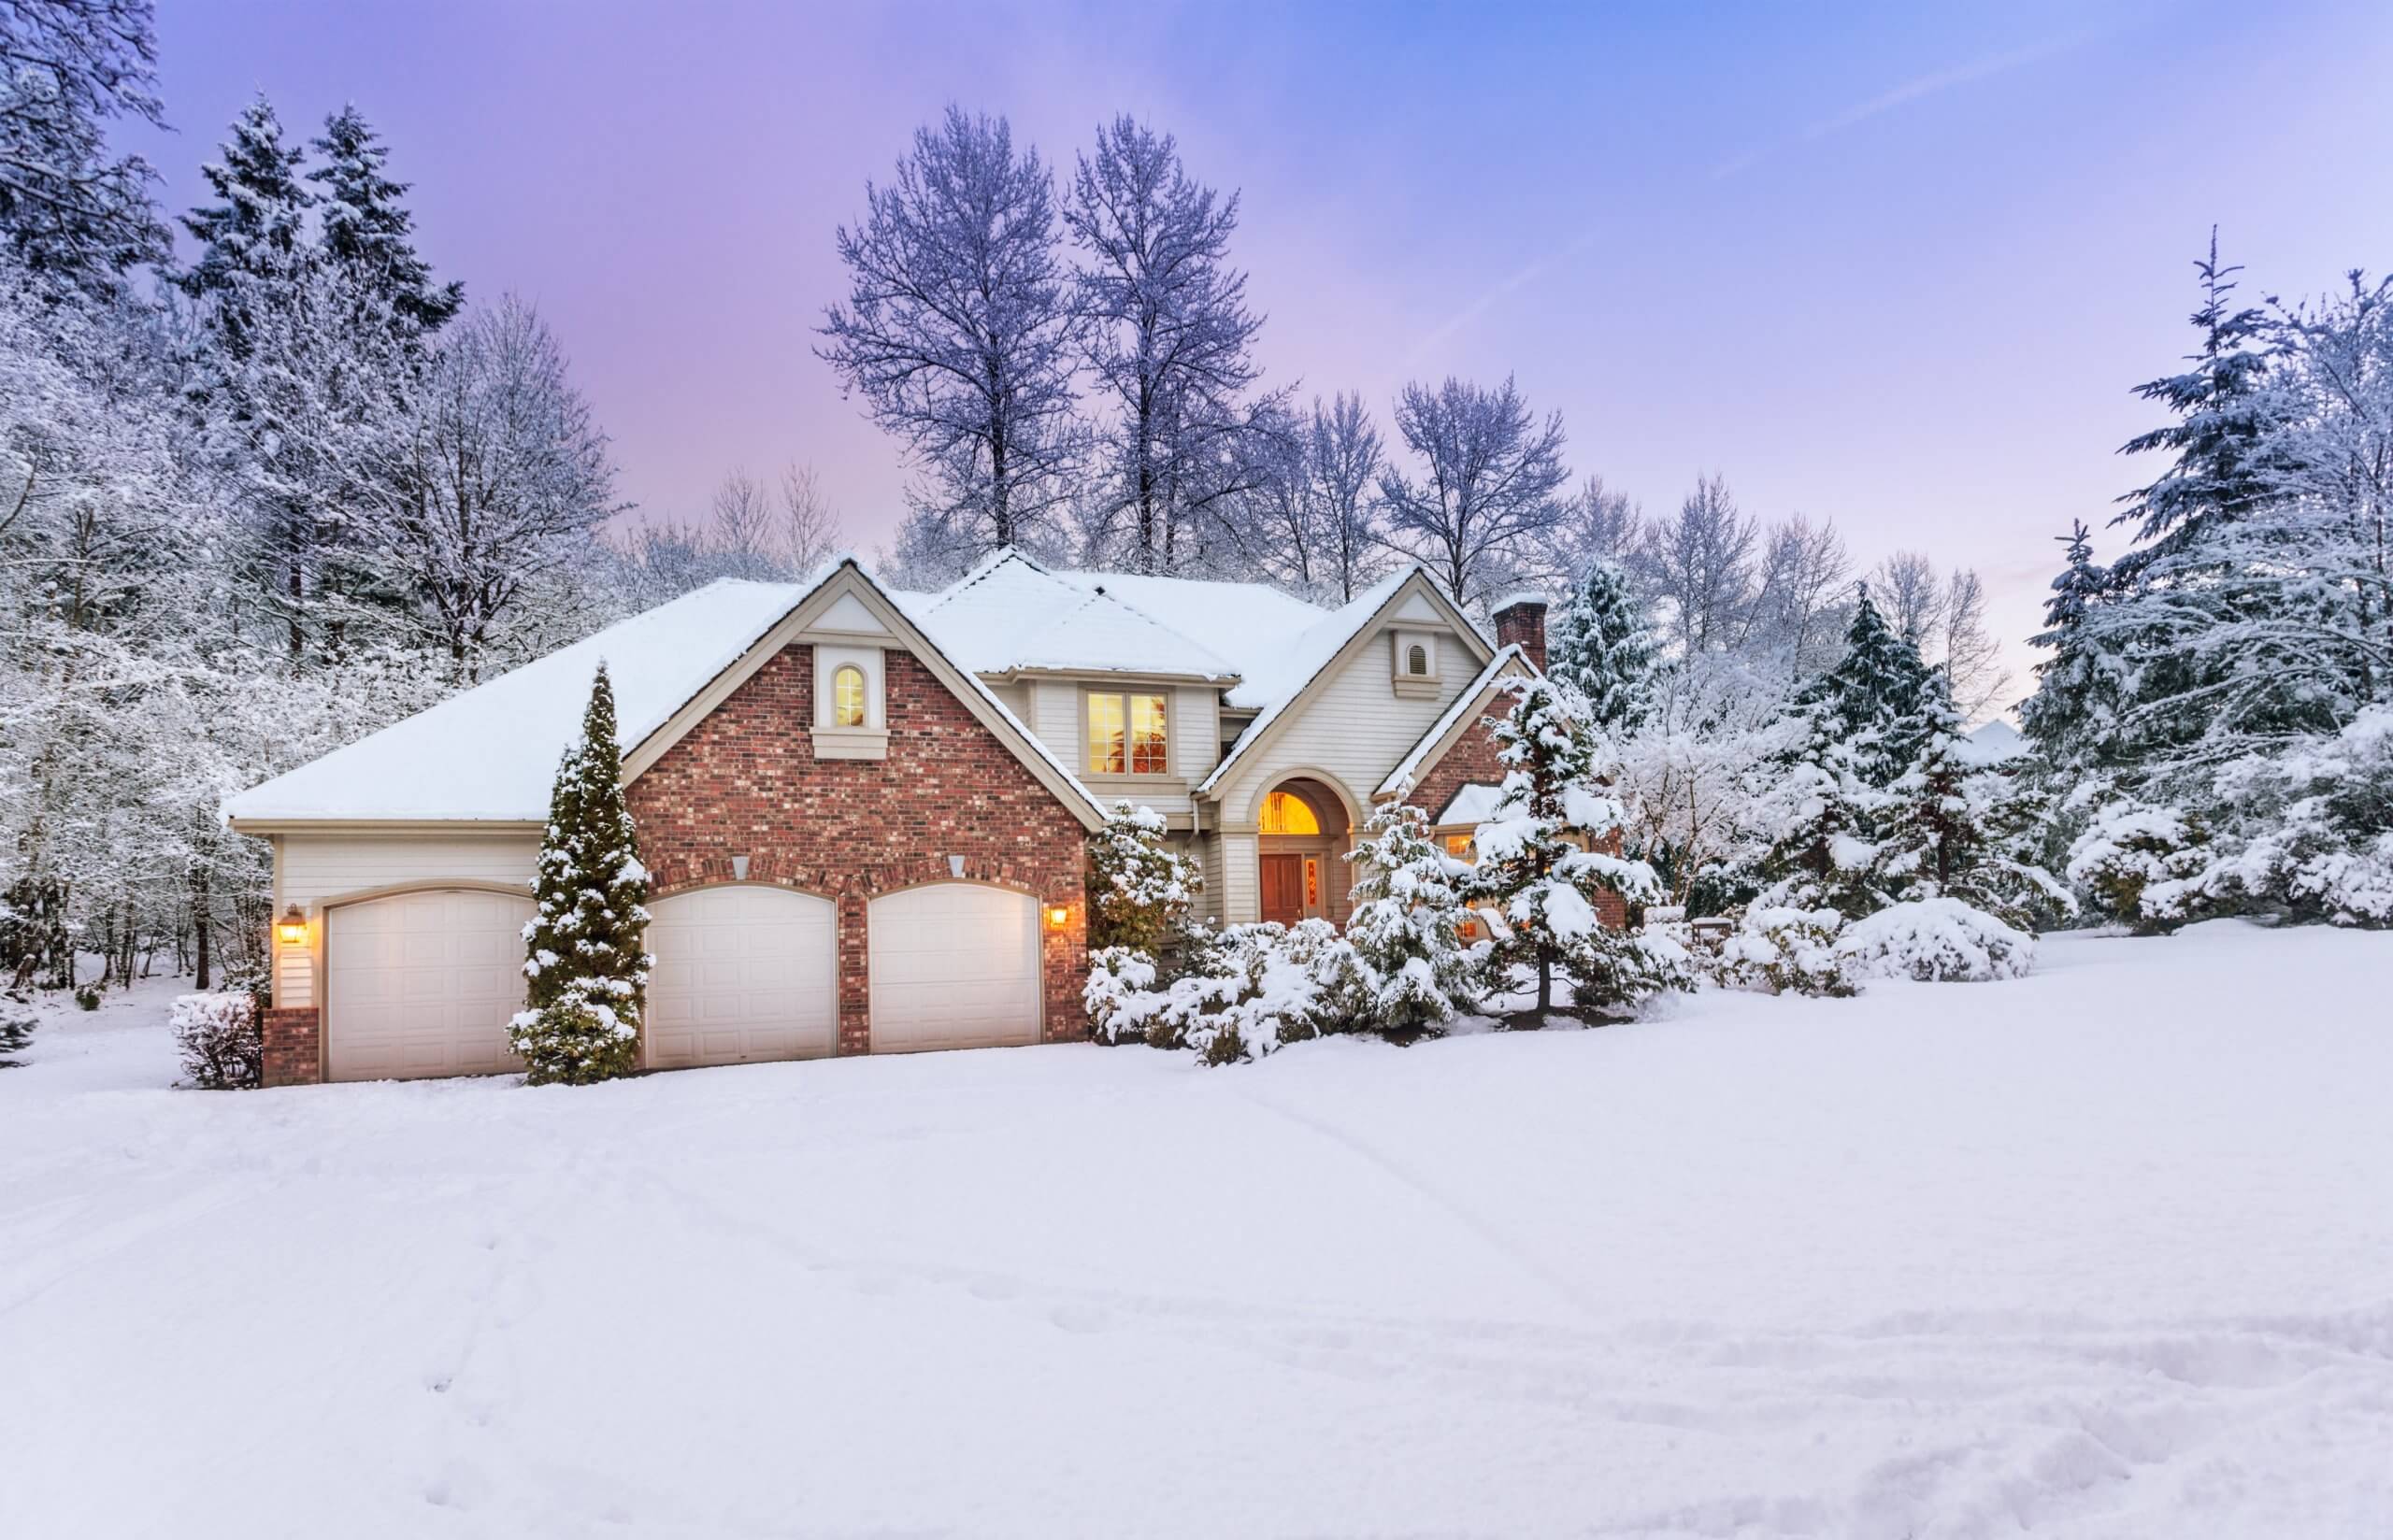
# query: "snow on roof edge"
1407 767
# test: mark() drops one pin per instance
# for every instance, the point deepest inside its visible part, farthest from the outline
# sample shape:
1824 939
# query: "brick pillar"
1521 621
855 982
292 1053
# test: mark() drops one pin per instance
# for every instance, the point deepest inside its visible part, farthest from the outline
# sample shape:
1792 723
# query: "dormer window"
848 700
1416 661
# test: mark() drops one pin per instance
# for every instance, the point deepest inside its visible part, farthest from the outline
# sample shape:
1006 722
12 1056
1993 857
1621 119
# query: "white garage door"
422 984
742 973
955 966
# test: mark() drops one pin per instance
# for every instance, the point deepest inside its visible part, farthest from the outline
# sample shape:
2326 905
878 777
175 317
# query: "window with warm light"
1286 813
847 696
1128 735
1459 847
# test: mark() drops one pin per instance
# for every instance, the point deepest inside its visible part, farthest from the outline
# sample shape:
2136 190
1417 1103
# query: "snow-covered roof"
1408 768
490 753
1251 624
1996 743
1009 612
1471 803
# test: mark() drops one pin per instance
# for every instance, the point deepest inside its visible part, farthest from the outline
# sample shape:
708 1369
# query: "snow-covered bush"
2307 832
2131 848
16 1022
1542 865
586 967
1783 951
1941 939
1248 991
1140 892
221 1039
1406 927
87 997
1956 827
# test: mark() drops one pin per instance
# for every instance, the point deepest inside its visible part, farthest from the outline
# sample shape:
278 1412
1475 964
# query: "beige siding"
1242 900
1054 714
1356 727
1209 856
316 867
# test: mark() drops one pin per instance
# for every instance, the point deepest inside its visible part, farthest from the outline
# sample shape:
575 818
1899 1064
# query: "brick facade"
1472 761
292 1048
745 782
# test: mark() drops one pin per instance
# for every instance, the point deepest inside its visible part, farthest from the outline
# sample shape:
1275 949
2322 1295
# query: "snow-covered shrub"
2130 848
1249 991
2307 831
1939 939
1954 826
1406 927
1541 866
1140 892
1779 950
16 1022
586 968
221 1038
87 997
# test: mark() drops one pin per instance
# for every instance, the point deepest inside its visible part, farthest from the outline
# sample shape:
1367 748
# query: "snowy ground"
2105 1252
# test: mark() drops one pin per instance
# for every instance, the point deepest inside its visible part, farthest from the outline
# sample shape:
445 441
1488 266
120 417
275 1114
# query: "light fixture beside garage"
1058 916
293 927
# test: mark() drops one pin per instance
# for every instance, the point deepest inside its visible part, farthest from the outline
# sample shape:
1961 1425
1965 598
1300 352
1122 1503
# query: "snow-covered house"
864 810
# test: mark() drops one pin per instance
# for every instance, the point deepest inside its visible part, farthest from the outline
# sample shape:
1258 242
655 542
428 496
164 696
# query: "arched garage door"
743 972
955 966
422 984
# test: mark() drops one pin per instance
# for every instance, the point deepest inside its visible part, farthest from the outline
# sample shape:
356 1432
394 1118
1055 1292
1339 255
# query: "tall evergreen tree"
1406 921
256 229
1871 700
366 227
1541 867
1604 648
2073 718
586 968
1822 856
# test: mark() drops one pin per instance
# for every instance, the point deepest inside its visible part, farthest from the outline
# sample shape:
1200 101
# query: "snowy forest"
270 481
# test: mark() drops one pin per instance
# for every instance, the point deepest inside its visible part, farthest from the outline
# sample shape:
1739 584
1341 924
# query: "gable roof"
1313 656
1448 729
1010 613
489 754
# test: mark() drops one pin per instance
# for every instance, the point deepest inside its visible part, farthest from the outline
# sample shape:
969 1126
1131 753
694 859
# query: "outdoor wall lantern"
1058 916
292 927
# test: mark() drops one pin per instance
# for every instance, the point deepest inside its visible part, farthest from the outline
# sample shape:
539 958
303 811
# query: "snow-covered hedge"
1782 950
222 1041
1934 938
2135 860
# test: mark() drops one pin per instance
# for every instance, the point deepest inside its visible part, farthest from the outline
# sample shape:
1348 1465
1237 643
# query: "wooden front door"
1283 889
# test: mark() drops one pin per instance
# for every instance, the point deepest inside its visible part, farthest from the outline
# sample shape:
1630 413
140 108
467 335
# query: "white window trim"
871 740
1126 775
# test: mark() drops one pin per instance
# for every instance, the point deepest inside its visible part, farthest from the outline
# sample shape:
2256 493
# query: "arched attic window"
847 696
1417 660
1286 813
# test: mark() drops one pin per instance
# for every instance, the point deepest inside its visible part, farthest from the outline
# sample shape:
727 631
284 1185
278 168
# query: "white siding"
1356 727
1241 900
1193 718
311 868
1055 717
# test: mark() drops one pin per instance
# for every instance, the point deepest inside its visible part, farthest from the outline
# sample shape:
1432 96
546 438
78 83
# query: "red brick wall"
1472 760
745 781
292 1056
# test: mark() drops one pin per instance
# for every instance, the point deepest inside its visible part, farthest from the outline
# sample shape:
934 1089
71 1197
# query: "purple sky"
1895 265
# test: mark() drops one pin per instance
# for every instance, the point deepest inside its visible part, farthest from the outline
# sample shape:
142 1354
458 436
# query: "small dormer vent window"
1416 661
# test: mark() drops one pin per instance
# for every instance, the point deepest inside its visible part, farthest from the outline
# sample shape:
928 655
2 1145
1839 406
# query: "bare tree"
744 532
1168 337
957 334
1801 608
1698 564
1972 658
809 526
1343 458
1907 591
1488 473
66 67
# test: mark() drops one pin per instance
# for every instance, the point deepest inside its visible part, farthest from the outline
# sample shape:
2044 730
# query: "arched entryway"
1301 868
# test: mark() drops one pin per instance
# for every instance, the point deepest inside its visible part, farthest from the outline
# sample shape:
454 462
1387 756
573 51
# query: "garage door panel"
743 972
422 984
953 965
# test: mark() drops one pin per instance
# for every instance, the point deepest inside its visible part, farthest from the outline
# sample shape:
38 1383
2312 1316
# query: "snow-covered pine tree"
2073 718
1870 701
1142 894
1821 856
586 968
366 228
257 225
1953 828
1603 648
1535 868
1406 924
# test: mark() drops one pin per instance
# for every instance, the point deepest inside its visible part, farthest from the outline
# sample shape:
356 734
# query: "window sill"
1417 686
851 742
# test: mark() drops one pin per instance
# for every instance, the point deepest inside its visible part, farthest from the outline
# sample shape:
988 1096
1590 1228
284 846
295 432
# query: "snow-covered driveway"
2107 1251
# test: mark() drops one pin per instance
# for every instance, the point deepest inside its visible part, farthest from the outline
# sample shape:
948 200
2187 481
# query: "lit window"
1128 734
847 696
1458 846
1417 660
1286 813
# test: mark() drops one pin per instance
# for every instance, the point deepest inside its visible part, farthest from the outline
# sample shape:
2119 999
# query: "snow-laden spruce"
1406 925
1602 648
1541 866
587 969
1142 894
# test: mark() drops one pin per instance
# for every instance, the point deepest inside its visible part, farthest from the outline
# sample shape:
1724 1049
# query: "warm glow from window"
1128 735
1458 846
1417 660
847 696
1286 813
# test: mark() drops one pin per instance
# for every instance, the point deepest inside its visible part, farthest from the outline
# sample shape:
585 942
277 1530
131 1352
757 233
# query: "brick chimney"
1522 618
